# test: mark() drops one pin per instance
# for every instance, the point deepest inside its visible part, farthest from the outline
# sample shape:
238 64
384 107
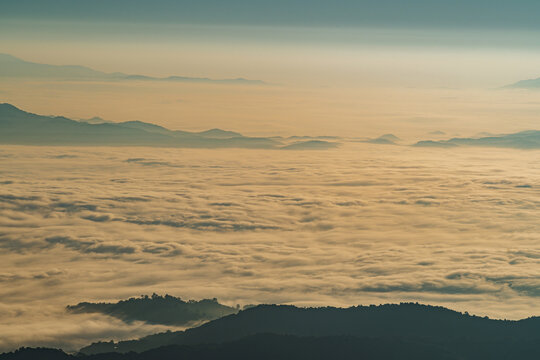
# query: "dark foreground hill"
409 322
287 347
265 346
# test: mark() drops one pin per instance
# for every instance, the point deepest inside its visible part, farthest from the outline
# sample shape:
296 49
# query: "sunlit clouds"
354 225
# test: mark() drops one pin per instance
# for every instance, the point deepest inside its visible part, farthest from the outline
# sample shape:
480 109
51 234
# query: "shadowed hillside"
266 346
408 321
287 347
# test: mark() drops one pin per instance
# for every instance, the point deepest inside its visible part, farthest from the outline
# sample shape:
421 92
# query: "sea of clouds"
360 224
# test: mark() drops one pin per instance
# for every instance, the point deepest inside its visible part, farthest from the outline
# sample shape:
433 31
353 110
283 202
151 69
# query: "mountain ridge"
406 320
12 67
528 139
19 127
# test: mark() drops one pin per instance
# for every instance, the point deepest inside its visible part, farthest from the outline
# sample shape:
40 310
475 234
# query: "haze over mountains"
13 67
24 128
20 127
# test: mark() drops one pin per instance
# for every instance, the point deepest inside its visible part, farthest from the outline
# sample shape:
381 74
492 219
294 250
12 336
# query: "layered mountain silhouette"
404 331
155 309
522 140
386 139
434 326
12 67
311 145
20 127
525 84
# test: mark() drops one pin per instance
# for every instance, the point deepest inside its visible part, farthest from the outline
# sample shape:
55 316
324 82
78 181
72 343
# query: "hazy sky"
364 74
390 42
493 14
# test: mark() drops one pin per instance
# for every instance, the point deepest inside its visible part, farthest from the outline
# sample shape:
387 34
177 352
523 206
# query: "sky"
313 43
376 64
358 224
497 14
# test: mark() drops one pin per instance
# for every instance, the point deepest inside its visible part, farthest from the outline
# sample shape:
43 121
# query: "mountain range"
19 127
529 139
13 67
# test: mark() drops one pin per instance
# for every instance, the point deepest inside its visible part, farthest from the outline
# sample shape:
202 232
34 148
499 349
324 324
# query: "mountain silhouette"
19 127
13 67
311 145
414 322
529 139
155 309
525 84
405 331
386 139
266 347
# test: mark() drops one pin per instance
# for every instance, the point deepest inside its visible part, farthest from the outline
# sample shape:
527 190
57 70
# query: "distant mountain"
311 145
95 120
219 134
410 322
12 67
386 139
435 144
155 309
23 128
525 84
389 139
327 137
522 140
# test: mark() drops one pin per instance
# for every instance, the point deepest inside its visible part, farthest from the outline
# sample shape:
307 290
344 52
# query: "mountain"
525 84
386 139
435 144
166 310
287 347
311 145
19 127
219 134
12 67
522 140
410 322
266 347
95 120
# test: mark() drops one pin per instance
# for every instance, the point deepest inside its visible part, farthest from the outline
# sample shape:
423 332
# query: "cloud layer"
353 225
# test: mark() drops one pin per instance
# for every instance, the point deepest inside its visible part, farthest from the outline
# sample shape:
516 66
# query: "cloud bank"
344 227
